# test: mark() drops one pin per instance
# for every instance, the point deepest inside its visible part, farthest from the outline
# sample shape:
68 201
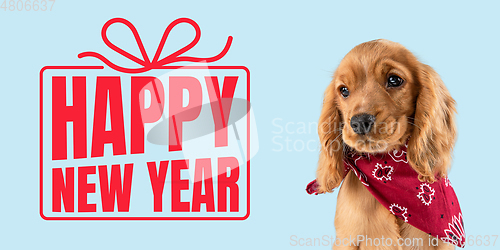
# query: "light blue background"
291 49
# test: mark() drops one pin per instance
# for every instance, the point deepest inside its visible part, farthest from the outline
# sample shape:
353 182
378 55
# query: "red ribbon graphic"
156 63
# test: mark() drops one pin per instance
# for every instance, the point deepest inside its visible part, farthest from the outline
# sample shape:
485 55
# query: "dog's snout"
361 124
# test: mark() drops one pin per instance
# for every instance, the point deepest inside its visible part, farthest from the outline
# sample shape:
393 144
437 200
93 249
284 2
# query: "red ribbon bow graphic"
156 63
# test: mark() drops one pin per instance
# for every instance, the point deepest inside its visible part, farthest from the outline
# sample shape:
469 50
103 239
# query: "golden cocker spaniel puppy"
383 102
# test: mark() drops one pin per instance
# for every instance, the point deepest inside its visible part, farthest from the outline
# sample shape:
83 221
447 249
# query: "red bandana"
432 208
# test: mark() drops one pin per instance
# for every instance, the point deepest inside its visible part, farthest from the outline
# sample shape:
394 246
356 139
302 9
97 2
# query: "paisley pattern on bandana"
426 193
361 176
455 234
400 212
382 173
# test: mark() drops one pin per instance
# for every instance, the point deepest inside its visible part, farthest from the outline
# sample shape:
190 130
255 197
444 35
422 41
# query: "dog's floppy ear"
330 170
432 140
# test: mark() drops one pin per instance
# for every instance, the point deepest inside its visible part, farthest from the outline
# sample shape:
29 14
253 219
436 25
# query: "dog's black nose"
361 124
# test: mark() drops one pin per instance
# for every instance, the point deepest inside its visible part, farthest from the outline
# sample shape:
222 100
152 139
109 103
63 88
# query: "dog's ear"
432 140
330 170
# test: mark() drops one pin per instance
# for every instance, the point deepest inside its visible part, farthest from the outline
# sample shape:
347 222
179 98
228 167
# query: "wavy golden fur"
421 110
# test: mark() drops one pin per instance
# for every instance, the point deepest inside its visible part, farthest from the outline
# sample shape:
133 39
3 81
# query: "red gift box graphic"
156 142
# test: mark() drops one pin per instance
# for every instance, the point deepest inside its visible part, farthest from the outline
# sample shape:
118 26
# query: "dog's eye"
344 92
394 81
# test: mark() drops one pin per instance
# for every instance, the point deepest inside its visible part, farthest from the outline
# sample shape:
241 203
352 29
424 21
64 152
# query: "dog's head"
380 96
